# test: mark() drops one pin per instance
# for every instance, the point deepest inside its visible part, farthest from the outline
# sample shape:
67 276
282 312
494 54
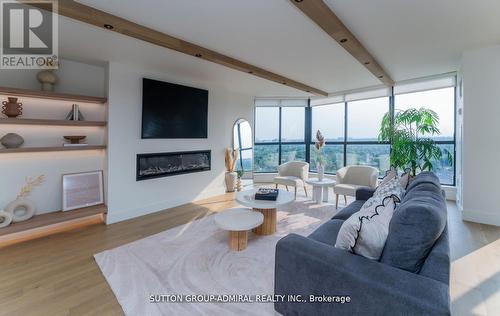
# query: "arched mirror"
242 141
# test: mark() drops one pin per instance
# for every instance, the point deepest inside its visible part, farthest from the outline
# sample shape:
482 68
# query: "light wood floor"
57 275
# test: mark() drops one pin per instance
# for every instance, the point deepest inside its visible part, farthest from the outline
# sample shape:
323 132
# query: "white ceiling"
409 38
412 39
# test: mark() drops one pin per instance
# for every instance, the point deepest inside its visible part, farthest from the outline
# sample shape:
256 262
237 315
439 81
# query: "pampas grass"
230 158
30 184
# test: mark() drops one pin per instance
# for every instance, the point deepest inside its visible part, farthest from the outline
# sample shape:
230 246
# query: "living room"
270 157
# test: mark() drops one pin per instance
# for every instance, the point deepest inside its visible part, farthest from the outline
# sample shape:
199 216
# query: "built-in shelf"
47 219
44 149
51 95
52 223
51 122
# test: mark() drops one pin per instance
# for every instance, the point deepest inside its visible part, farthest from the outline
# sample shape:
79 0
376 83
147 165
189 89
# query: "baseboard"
487 218
114 217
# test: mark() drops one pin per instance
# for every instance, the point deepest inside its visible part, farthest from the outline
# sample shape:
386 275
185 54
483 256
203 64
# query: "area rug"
194 259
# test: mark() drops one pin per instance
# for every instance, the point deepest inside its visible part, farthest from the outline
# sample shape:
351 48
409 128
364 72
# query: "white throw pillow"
389 175
365 232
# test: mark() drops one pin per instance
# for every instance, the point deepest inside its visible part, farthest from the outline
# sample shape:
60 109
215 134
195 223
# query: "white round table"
267 208
238 221
320 189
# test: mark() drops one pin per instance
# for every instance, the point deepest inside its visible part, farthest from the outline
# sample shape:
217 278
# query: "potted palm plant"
410 135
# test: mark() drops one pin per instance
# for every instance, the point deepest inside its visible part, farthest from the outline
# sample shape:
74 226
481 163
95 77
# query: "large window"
351 131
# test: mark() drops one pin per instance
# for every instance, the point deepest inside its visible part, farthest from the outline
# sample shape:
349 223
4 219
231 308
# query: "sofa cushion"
346 189
327 233
365 232
350 209
424 177
416 225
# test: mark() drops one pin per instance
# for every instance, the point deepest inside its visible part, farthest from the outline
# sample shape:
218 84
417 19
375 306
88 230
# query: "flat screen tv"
173 111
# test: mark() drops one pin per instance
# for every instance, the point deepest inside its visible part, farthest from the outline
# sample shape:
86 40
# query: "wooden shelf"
51 95
48 219
52 223
45 149
51 122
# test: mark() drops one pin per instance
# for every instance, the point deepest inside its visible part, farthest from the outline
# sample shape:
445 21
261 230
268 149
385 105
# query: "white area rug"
195 259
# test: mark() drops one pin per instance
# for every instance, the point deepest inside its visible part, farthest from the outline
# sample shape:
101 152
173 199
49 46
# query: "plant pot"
21 209
321 172
231 181
12 108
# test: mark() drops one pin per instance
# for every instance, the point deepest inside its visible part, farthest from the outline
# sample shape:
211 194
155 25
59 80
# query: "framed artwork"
82 189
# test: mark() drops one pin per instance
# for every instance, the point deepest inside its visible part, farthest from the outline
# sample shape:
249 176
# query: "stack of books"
267 194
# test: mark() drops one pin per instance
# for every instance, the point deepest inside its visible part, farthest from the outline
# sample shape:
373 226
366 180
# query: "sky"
364 116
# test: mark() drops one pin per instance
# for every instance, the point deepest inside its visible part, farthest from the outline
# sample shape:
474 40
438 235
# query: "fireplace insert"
156 165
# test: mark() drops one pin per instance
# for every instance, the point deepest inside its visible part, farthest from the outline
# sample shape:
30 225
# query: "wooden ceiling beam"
320 13
89 15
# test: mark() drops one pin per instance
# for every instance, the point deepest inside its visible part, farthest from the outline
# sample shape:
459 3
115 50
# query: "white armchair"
350 178
293 173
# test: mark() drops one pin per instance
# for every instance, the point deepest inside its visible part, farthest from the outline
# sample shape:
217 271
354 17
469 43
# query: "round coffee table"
267 208
320 189
238 221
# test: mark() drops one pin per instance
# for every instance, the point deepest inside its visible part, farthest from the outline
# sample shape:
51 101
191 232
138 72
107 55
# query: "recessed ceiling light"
109 26
343 40
198 55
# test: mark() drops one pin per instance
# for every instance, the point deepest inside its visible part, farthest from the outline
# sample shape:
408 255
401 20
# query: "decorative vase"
321 171
48 79
230 181
5 219
12 140
21 209
12 108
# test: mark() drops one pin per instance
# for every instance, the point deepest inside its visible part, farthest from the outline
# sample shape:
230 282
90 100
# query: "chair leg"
276 185
295 192
345 199
305 190
286 187
336 201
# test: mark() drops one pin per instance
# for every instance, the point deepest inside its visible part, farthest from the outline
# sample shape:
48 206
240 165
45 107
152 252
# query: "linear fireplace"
168 164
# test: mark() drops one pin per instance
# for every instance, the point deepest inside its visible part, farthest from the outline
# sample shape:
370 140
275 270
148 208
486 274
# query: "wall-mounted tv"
173 111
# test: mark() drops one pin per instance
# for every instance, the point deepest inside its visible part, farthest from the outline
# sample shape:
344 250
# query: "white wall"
481 130
128 198
77 78
74 77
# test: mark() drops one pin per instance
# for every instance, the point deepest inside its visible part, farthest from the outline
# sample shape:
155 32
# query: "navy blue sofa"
411 277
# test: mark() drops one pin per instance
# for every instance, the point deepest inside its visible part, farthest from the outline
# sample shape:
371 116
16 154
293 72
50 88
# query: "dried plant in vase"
231 156
21 208
320 159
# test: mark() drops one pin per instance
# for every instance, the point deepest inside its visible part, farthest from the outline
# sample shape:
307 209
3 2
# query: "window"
364 117
329 119
242 137
280 138
442 101
351 130
267 127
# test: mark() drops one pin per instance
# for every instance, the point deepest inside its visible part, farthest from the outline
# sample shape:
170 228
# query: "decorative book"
266 194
